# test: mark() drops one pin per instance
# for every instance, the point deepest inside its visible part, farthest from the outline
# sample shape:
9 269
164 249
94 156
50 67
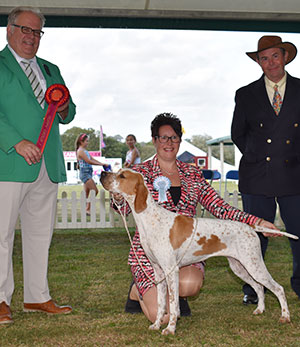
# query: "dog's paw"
168 331
154 326
257 311
283 319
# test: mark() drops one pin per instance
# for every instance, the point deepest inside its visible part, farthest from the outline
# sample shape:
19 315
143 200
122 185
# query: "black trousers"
265 207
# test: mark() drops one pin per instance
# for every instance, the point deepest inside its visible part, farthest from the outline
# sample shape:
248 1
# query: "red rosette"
56 96
57 93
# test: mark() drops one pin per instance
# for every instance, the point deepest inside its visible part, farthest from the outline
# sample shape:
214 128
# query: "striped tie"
277 101
34 82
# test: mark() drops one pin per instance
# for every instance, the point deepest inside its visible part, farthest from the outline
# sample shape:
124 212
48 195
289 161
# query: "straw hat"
266 42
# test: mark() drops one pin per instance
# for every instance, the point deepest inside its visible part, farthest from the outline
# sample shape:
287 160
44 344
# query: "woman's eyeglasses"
165 139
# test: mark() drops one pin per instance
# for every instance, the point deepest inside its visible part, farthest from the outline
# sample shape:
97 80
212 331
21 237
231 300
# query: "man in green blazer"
28 178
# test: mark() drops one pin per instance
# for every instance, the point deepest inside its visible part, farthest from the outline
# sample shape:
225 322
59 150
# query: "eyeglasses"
28 30
165 139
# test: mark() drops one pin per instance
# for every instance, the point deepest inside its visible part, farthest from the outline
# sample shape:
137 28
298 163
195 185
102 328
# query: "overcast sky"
121 79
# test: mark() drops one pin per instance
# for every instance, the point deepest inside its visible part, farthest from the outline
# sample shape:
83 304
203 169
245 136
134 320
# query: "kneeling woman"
188 187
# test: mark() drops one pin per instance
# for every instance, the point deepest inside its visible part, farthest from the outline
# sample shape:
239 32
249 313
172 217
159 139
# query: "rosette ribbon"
56 95
162 184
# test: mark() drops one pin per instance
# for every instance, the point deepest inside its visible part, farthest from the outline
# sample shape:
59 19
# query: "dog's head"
128 183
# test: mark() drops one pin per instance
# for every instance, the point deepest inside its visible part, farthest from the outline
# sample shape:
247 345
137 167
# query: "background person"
28 179
85 162
133 155
188 187
266 129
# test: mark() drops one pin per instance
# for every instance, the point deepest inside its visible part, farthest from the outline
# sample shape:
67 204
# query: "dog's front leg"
173 287
161 288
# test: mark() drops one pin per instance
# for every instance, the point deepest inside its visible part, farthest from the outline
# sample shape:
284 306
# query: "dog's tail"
261 229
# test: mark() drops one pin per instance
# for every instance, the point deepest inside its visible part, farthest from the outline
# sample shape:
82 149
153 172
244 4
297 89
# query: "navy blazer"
270 144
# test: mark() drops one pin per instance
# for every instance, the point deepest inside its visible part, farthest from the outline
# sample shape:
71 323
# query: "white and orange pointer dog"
171 241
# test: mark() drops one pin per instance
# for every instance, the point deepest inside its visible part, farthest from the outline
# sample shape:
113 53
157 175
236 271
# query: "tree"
68 138
200 141
114 148
146 150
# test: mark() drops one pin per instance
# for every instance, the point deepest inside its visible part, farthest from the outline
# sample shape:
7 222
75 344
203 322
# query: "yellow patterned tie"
34 82
277 101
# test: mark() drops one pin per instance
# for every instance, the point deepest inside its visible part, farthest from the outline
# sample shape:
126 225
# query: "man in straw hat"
266 129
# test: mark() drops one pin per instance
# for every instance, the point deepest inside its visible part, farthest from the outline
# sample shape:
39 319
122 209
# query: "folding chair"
217 177
208 174
231 175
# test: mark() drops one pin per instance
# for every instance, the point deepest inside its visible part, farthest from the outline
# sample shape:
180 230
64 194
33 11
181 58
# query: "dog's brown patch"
209 246
181 230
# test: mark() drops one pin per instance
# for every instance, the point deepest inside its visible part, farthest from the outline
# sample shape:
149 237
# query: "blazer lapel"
46 71
16 69
261 97
184 185
289 101
290 94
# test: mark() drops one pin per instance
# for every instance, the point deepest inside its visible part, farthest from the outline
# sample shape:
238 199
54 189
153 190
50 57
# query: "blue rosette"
162 184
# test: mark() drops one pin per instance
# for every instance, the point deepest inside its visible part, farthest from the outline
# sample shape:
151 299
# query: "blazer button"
268 158
261 125
296 125
287 142
269 140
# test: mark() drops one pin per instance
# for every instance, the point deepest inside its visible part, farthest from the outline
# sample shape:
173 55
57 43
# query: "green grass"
88 269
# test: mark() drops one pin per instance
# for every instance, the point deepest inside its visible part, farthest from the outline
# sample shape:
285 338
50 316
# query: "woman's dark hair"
131 136
80 138
166 119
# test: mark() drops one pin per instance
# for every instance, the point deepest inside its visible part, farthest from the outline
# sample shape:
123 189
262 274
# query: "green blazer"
21 117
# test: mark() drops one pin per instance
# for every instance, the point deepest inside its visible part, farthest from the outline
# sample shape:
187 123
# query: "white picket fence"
71 212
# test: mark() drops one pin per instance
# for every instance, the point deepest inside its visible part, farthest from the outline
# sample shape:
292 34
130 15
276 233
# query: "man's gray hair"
12 17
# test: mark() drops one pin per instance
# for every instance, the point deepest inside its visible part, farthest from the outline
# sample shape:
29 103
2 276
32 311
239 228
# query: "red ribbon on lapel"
56 95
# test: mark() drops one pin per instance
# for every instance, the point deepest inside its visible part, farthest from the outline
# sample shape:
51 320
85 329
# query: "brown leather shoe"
49 307
5 313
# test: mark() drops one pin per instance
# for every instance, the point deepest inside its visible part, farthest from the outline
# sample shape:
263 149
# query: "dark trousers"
265 207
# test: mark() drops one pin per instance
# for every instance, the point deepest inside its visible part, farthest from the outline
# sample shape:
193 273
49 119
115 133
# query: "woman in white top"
133 155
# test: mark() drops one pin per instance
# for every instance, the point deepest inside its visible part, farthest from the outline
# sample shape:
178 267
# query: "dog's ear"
141 197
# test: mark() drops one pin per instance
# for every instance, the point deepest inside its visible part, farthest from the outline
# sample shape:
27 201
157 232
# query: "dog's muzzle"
103 176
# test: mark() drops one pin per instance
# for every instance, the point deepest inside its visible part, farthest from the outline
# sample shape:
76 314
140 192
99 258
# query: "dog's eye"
121 175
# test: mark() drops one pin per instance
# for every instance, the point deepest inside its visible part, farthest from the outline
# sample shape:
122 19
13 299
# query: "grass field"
88 270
